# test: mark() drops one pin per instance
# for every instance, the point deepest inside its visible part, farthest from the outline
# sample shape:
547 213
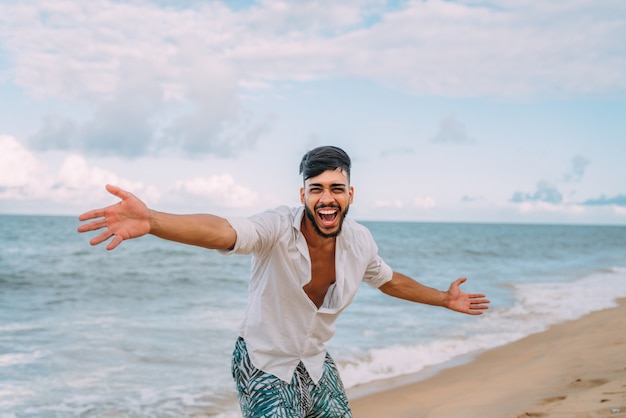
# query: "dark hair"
324 158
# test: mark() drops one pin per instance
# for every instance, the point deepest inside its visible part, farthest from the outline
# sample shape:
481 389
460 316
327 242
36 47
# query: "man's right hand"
129 218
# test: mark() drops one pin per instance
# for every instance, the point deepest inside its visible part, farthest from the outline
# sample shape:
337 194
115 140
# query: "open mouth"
327 216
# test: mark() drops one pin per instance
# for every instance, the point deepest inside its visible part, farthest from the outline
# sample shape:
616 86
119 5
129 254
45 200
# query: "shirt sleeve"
247 236
258 233
378 273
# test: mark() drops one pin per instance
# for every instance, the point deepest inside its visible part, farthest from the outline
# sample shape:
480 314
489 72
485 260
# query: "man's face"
326 200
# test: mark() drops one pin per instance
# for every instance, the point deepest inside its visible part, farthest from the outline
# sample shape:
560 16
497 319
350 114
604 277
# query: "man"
307 265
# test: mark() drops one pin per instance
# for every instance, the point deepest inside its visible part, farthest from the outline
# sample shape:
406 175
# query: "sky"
452 111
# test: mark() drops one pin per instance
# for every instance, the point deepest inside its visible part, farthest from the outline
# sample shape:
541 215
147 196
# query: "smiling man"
307 264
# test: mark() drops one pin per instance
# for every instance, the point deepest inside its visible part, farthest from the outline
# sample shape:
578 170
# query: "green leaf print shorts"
264 395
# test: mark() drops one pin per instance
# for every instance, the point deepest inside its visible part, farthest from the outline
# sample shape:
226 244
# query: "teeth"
327 211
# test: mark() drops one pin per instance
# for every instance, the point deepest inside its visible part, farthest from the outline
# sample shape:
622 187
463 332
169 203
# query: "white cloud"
424 202
544 192
500 49
157 79
618 200
219 189
76 184
78 180
452 131
18 167
167 78
397 204
578 167
548 207
77 49
24 177
621 211
472 199
133 78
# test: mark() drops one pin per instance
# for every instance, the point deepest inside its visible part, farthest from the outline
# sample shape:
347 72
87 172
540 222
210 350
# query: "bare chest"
322 275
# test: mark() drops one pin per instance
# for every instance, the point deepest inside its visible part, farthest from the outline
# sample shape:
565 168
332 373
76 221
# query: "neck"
312 237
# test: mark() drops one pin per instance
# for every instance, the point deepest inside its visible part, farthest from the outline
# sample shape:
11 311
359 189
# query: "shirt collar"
297 219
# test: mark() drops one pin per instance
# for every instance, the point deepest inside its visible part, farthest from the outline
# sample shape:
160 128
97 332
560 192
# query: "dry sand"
575 369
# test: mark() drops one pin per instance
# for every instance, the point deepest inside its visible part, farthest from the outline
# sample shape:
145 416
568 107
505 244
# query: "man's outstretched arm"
404 287
131 218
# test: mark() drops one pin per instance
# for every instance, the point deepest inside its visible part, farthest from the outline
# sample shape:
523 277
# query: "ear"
351 194
302 195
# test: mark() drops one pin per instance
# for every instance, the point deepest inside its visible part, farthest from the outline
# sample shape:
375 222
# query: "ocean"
147 330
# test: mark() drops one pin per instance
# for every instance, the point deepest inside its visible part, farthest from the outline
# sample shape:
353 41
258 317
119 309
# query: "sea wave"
537 307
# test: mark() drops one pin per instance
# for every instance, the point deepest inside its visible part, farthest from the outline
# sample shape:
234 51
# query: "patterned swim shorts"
265 395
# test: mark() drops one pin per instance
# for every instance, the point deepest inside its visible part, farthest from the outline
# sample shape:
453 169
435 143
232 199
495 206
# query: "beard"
311 216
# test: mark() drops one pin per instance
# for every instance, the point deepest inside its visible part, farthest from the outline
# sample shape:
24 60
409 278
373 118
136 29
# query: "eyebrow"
332 185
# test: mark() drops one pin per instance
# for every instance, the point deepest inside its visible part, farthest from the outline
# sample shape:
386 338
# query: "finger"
105 235
479 308
116 191
92 226
117 240
477 296
96 213
460 281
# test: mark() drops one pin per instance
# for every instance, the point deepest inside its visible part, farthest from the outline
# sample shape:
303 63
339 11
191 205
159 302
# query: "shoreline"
573 369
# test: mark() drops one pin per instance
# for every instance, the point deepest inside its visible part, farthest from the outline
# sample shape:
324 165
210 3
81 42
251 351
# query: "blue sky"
466 111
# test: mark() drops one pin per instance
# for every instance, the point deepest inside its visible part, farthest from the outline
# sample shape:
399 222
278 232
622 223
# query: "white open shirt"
282 326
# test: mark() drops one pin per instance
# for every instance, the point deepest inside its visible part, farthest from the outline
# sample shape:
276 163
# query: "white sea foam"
12 359
538 306
230 414
15 327
148 330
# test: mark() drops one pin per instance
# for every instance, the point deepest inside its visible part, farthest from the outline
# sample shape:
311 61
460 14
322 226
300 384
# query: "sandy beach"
575 369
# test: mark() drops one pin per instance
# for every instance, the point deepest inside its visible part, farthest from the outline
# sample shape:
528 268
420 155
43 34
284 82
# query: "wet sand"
573 370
